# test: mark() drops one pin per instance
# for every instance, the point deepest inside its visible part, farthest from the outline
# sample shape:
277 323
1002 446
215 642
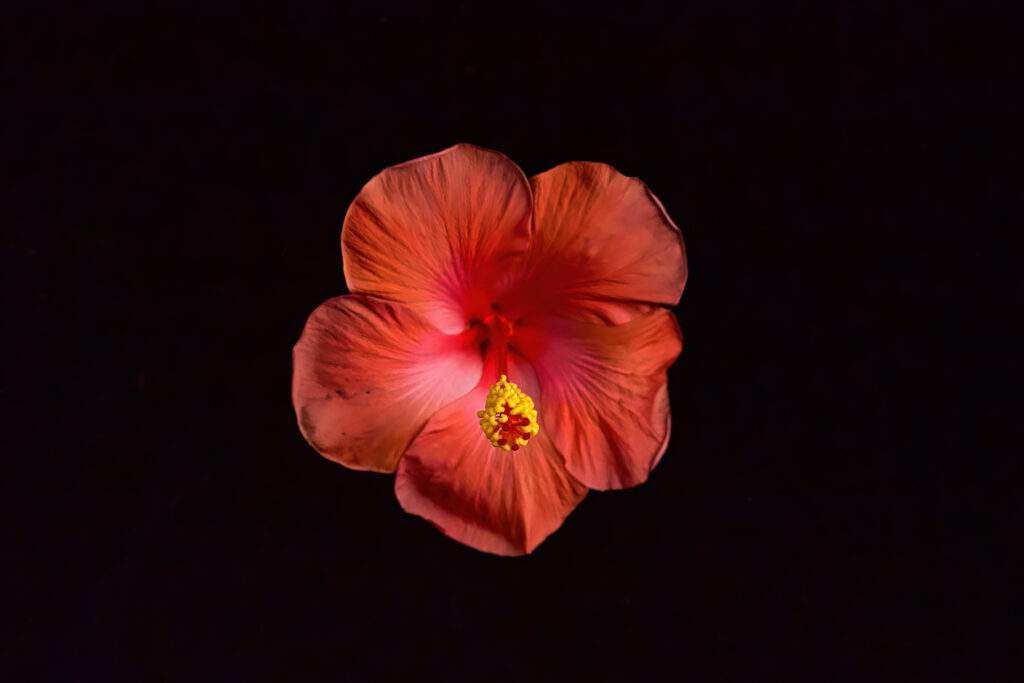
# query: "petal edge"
604 243
425 232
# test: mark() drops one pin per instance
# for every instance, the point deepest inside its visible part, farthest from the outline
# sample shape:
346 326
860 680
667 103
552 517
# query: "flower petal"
493 500
603 244
427 232
604 398
369 373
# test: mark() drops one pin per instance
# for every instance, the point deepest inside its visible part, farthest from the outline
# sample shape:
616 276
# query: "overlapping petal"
489 499
604 248
429 232
369 373
604 398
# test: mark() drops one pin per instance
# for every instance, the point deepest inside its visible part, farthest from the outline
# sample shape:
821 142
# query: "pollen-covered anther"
509 418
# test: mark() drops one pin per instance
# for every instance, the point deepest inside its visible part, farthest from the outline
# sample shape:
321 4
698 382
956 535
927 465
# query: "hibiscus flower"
505 345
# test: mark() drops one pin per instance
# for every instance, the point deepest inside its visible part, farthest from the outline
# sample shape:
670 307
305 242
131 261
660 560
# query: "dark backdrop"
177 186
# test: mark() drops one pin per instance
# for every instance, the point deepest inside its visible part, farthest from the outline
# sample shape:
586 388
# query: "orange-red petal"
428 232
604 397
493 500
604 247
367 376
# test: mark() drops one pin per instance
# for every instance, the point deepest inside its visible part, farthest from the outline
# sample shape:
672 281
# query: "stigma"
509 418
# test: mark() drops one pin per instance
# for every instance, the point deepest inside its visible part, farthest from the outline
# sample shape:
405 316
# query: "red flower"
462 271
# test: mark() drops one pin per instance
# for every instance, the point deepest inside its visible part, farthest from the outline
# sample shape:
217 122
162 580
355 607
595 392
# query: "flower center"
509 417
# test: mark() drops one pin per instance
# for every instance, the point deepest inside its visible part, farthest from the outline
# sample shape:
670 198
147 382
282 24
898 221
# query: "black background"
825 508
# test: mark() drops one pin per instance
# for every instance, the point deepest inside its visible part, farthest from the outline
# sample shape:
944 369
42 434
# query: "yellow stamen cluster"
509 417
